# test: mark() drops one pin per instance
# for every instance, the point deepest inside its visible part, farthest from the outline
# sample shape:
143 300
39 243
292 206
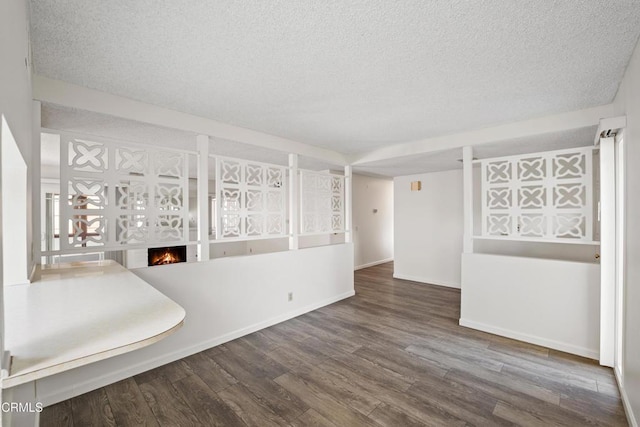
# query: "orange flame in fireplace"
167 257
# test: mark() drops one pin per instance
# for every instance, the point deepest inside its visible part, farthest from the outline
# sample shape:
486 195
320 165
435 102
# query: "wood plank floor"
393 355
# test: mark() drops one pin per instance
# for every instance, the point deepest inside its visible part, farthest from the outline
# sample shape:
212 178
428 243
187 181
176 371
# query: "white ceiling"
349 76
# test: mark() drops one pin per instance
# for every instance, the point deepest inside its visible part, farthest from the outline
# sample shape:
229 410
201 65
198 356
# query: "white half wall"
551 303
627 102
372 220
224 298
428 228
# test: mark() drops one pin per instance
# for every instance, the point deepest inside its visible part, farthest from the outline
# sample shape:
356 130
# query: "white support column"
294 202
36 186
607 251
4 362
348 205
202 142
467 162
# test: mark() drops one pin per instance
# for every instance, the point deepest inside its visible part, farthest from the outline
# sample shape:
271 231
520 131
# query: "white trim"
607 251
239 159
539 239
36 187
202 192
625 400
70 95
112 377
294 203
248 238
507 132
98 249
467 209
525 155
347 203
371 264
609 124
556 345
112 141
322 233
425 280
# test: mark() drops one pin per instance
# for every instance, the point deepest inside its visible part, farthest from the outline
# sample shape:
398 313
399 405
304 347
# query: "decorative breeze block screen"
118 195
251 199
322 202
543 195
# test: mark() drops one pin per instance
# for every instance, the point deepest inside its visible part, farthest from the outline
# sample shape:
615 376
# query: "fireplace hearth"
167 255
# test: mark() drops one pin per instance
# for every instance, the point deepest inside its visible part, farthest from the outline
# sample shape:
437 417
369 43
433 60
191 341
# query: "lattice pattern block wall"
115 195
322 202
543 195
251 199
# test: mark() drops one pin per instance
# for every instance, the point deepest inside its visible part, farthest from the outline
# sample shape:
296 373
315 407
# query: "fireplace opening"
169 255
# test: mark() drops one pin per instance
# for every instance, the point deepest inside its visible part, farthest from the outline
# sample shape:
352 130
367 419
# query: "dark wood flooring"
393 355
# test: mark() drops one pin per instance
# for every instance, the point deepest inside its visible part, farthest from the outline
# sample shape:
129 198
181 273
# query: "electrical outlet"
290 296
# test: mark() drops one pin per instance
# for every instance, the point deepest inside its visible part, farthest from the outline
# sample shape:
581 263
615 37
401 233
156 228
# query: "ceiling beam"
74 96
511 131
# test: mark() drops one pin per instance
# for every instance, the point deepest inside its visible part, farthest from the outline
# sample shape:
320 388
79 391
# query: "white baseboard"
625 401
426 280
371 264
112 377
532 339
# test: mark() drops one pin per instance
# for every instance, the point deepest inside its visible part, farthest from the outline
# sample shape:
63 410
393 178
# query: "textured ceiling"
450 159
349 76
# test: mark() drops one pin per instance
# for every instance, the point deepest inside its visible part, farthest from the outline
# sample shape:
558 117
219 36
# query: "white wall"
16 108
546 302
15 89
372 232
224 299
428 228
14 208
15 77
15 93
627 102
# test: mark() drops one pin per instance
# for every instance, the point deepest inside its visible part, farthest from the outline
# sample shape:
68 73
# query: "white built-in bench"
80 313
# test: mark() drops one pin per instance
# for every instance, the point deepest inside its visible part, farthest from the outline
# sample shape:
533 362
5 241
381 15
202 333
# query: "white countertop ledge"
80 313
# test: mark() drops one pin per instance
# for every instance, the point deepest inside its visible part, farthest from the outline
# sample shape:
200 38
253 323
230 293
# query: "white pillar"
467 165
4 363
607 251
348 205
36 186
202 143
294 202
